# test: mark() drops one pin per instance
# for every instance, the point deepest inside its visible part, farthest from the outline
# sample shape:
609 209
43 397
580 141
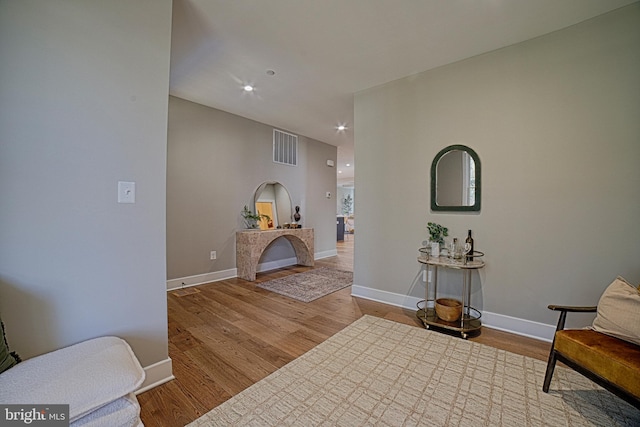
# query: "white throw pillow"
619 311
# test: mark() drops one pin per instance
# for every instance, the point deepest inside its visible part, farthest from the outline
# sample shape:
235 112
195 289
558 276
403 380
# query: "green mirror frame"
434 181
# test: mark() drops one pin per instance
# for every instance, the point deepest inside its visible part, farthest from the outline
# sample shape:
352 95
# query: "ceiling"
321 52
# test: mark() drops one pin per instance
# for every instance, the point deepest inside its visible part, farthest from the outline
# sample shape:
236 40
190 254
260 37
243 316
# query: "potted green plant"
251 219
347 203
437 233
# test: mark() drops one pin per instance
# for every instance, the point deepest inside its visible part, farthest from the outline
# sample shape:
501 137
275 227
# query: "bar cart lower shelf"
468 324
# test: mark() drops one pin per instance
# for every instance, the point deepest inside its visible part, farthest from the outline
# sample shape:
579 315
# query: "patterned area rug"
310 285
378 372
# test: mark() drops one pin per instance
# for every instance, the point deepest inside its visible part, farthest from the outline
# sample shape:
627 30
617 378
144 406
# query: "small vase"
435 249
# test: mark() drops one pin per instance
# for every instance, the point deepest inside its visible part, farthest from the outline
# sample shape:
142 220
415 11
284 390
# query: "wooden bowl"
448 309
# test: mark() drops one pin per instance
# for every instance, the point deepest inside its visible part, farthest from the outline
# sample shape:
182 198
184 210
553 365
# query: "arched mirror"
455 180
273 199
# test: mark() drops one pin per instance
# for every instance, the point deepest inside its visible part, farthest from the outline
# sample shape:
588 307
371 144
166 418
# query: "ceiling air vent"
285 148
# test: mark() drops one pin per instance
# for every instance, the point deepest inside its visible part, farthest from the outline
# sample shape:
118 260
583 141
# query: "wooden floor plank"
230 349
229 377
207 392
167 406
232 333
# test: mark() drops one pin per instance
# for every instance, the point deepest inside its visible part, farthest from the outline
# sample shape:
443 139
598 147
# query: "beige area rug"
377 372
310 285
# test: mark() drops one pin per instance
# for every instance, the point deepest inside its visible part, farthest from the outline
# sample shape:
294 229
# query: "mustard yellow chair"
611 362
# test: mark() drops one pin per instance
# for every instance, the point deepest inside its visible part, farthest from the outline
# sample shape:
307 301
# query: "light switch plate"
126 192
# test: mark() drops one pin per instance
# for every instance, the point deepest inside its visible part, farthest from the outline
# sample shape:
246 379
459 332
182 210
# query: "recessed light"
348 164
342 127
248 88
271 72
339 171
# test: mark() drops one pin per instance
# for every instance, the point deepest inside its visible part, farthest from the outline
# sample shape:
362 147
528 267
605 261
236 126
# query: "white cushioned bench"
96 378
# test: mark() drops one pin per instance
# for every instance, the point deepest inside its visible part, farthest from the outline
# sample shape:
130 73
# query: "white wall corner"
157 374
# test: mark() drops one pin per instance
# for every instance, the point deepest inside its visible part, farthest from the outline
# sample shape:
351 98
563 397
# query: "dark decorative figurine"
296 215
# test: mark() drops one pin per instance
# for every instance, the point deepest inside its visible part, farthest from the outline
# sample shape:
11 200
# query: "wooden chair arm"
573 309
564 309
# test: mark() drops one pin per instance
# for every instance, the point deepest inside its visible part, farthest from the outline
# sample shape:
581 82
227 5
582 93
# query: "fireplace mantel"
251 243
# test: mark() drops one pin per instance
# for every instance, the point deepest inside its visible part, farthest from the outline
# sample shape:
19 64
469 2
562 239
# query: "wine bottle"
469 240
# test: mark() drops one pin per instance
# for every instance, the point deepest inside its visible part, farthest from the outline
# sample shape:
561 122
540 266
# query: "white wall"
554 121
216 161
83 95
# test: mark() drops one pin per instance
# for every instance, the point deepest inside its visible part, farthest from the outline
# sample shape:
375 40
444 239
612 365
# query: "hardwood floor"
228 335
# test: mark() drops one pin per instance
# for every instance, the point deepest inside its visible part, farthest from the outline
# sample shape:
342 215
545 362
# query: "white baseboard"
385 297
157 374
216 276
200 279
325 254
514 325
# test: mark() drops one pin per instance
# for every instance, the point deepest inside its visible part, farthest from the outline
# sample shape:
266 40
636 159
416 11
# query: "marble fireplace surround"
251 243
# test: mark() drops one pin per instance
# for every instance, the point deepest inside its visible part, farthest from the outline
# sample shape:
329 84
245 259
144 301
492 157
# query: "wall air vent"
285 148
